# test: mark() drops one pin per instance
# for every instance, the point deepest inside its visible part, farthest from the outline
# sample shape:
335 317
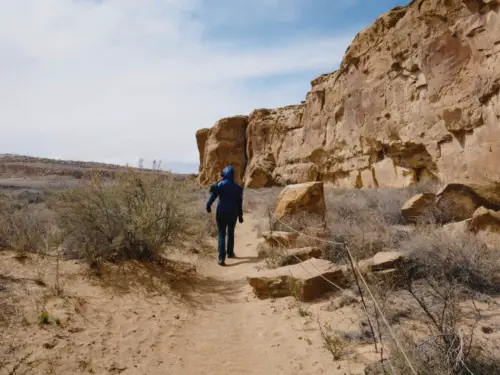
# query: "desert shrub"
262 203
336 343
200 224
368 221
442 272
132 217
27 197
461 259
261 200
23 226
430 357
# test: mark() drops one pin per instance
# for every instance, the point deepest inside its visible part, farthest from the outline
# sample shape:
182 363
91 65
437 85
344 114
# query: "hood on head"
228 173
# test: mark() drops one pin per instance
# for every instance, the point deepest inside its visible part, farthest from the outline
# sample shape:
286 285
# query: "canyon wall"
416 98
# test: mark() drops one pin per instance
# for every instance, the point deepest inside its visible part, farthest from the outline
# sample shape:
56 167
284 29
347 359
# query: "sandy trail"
237 333
133 321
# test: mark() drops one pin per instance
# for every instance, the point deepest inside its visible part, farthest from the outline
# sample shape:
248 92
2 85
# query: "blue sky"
120 80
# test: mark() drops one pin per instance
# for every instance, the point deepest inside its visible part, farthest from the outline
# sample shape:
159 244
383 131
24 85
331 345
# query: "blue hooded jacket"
230 194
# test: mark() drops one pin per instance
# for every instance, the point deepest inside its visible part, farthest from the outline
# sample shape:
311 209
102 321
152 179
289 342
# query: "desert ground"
68 311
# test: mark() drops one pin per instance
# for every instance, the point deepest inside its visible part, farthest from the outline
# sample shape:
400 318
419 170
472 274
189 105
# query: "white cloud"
122 79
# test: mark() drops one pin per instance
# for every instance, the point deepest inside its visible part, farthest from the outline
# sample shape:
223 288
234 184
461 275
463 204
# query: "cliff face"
416 98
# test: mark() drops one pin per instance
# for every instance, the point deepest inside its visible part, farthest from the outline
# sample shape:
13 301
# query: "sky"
119 80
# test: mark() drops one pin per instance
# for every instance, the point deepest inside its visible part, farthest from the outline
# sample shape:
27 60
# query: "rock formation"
418 206
458 202
416 97
306 198
306 281
220 146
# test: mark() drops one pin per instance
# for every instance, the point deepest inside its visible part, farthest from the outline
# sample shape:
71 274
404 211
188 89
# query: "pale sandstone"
224 145
307 281
457 202
306 198
418 206
416 98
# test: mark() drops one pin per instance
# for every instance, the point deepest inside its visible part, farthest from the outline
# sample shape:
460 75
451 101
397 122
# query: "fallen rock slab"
484 223
418 206
388 260
295 256
458 202
307 281
306 198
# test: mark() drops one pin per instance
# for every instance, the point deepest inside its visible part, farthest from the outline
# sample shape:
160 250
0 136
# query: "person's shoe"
232 256
222 263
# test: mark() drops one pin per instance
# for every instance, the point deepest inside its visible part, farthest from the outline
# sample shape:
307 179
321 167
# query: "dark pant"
225 225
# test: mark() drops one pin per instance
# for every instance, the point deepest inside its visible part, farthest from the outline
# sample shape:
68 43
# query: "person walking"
229 209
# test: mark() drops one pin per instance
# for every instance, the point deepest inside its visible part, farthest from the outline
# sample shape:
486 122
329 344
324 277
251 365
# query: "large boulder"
306 198
458 202
484 223
307 281
418 207
222 145
385 260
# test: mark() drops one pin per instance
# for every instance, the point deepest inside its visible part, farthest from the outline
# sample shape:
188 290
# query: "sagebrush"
132 217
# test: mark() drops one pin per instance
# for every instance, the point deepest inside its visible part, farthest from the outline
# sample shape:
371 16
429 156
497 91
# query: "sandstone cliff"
416 97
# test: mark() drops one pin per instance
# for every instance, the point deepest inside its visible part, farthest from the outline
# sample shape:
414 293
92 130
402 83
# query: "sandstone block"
307 280
418 206
306 198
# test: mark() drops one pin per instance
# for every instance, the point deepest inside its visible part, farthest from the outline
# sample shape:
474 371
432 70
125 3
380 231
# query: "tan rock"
416 98
307 281
306 198
388 260
486 225
222 145
294 256
418 206
201 140
457 202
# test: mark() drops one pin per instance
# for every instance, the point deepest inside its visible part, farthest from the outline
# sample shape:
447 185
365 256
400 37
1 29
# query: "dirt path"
129 322
239 334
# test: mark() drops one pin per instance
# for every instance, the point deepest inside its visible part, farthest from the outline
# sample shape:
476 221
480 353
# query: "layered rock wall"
416 98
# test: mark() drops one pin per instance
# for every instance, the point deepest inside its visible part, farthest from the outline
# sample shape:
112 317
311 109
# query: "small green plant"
43 318
58 321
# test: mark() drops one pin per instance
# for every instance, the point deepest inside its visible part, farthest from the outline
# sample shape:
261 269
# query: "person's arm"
214 193
240 205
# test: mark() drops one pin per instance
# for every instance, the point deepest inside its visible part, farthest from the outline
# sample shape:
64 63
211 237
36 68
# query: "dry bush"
336 343
463 259
24 226
365 220
261 203
444 271
131 218
200 224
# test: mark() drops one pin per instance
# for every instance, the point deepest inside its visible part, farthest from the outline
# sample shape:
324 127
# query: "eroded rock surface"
305 199
416 98
222 145
306 281
457 202
418 206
